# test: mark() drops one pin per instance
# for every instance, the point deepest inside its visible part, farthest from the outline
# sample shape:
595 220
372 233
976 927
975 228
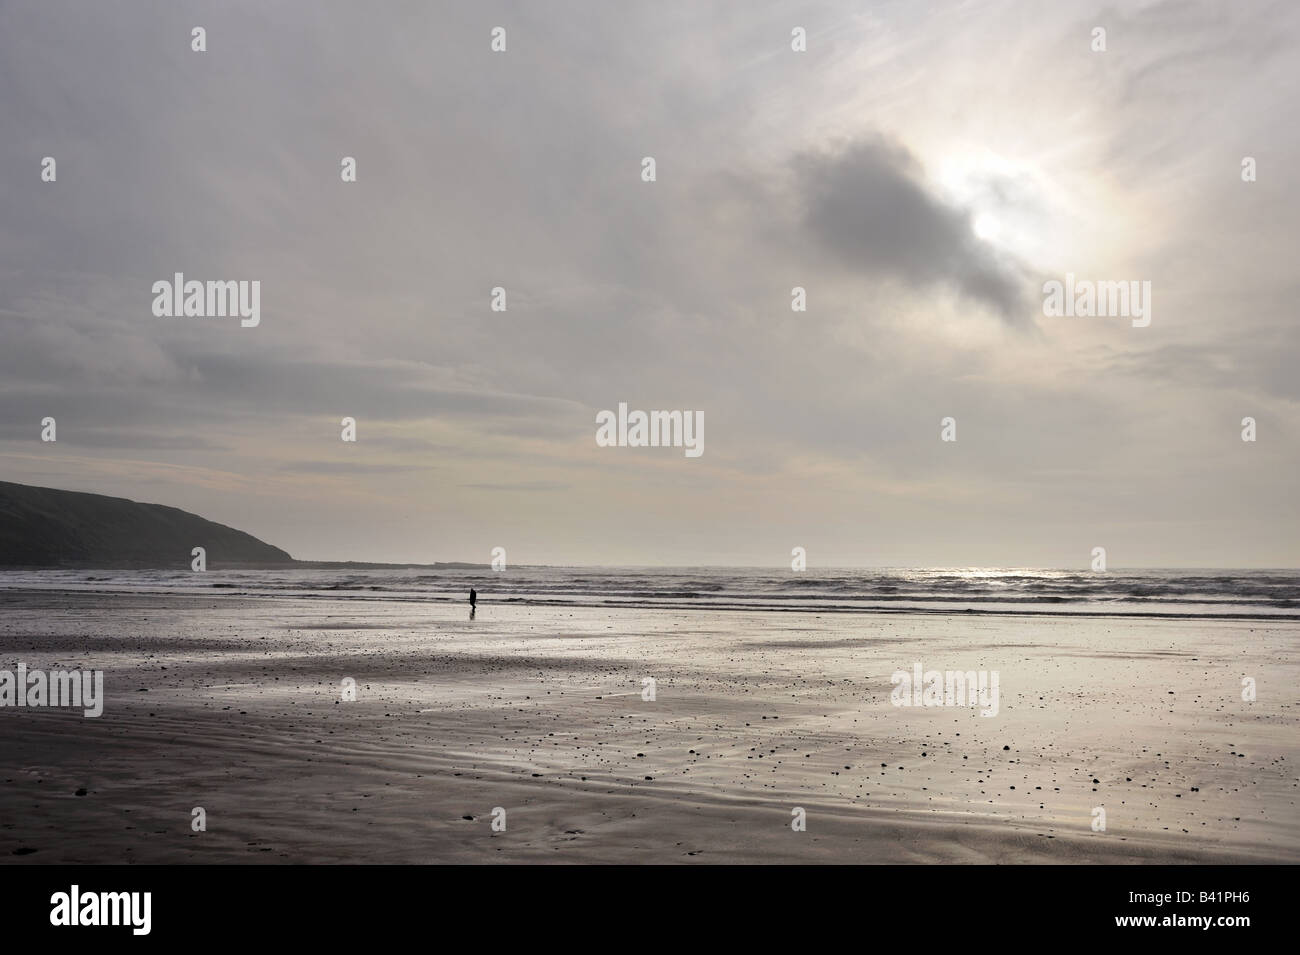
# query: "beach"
234 704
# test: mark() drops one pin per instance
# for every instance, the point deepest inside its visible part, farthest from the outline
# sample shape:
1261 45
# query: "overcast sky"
921 170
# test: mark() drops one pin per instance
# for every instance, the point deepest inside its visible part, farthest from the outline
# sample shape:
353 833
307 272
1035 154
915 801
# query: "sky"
921 170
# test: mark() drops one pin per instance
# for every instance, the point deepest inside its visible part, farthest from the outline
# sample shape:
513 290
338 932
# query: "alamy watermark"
1101 299
946 688
71 688
654 429
194 299
75 907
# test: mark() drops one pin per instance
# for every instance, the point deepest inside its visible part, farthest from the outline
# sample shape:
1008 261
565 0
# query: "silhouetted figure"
473 602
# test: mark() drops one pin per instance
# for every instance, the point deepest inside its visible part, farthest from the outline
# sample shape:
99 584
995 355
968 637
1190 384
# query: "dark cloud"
868 205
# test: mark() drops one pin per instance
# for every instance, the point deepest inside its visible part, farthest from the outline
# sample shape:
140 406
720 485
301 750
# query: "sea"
1174 593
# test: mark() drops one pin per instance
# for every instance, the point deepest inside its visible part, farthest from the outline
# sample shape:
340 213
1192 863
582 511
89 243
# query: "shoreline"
612 603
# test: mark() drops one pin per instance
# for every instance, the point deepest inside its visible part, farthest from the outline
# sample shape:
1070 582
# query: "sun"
986 227
1000 196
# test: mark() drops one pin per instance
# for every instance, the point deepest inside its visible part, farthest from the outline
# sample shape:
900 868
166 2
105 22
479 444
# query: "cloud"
517 486
854 170
350 467
867 204
107 437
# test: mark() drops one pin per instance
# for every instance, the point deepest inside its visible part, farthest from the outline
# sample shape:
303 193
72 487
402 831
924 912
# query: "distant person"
473 602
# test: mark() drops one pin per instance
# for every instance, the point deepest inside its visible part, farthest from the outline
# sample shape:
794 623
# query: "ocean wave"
1009 590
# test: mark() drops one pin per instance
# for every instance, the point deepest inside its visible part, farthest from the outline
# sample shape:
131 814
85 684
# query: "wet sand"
234 704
